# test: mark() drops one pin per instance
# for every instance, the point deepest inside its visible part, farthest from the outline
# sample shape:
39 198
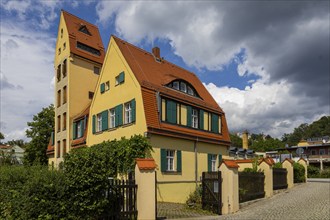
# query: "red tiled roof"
291 161
230 163
4 147
146 164
153 76
301 158
50 147
73 24
266 160
244 161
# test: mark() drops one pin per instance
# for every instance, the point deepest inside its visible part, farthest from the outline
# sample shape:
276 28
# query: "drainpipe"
196 162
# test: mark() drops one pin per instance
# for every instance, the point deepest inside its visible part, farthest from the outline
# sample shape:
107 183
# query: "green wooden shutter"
93 124
104 120
189 115
215 123
179 161
121 77
163 161
209 162
133 104
201 119
74 130
102 88
220 159
119 115
171 111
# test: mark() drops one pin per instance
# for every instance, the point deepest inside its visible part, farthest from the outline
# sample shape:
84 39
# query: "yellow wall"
79 80
268 171
117 94
175 187
242 166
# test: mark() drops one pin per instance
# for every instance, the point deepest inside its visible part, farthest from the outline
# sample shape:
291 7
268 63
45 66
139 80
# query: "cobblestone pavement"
175 211
304 201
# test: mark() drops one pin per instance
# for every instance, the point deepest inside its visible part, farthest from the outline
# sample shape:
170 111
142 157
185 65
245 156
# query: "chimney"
245 140
156 52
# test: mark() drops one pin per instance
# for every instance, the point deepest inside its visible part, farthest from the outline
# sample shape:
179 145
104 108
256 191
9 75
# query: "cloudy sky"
265 63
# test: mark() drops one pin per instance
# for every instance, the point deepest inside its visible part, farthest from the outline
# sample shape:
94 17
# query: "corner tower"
79 56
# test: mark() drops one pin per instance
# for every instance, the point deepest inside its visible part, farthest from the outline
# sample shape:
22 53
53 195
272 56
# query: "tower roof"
84 37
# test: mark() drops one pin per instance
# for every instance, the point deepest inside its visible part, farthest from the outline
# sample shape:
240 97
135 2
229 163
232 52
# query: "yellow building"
139 92
79 56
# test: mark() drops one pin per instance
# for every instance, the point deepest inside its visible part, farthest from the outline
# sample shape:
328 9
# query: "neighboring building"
16 151
141 93
314 150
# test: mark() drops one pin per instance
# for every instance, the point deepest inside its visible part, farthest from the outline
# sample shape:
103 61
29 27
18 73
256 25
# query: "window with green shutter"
163 160
93 124
201 119
119 115
209 162
220 159
171 112
105 120
52 136
102 88
74 130
189 115
133 106
120 78
215 123
179 161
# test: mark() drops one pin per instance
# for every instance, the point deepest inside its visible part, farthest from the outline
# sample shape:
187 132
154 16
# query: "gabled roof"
77 33
153 77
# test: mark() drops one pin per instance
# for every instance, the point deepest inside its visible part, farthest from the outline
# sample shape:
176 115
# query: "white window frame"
107 86
176 85
183 87
170 155
190 91
213 162
128 112
112 118
99 123
194 118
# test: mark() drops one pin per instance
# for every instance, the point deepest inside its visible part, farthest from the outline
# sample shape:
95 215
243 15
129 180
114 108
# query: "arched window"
184 87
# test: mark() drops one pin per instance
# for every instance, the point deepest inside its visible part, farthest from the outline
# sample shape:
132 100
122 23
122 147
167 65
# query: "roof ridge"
151 54
68 13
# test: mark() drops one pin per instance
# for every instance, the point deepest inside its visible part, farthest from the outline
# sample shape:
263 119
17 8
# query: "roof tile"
146 164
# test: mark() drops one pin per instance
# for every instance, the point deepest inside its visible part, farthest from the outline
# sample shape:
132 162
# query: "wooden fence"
279 178
251 186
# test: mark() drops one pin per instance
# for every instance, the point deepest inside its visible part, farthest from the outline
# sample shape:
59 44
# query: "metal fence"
279 178
122 200
251 186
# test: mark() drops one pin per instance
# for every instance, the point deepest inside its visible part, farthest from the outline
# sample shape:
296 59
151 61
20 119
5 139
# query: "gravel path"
304 201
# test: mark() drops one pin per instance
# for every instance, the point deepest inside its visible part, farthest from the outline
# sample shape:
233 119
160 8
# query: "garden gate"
122 197
211 191
251 186
279 178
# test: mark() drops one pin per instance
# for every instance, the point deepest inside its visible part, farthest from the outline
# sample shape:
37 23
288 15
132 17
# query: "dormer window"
84 29
183 86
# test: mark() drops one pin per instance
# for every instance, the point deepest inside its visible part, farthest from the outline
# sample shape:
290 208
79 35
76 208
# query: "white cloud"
28 67
267 108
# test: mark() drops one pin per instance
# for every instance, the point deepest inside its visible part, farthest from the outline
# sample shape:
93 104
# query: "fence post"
229 186
288 165
303 162
267 168
145 180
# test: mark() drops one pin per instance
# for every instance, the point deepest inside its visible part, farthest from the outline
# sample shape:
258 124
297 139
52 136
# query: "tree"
261 142
1 137
236 141
40 132
18 142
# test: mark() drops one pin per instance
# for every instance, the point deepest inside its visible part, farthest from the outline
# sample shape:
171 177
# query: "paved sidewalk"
304 201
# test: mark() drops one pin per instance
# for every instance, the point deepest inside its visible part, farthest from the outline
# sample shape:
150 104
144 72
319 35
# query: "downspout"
196 162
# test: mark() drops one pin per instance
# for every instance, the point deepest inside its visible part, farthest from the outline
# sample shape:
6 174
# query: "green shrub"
298 173
195 198
325 173
313 172
31 193
277 165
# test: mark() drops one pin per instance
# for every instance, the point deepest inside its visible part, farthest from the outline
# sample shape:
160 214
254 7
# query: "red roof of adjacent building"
230 163
73 24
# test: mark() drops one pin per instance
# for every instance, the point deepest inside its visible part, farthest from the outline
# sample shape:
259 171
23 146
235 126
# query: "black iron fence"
251 186
279 178
122 200
211 192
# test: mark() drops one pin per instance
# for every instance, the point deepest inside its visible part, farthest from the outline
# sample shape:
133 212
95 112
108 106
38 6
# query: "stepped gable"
86 33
